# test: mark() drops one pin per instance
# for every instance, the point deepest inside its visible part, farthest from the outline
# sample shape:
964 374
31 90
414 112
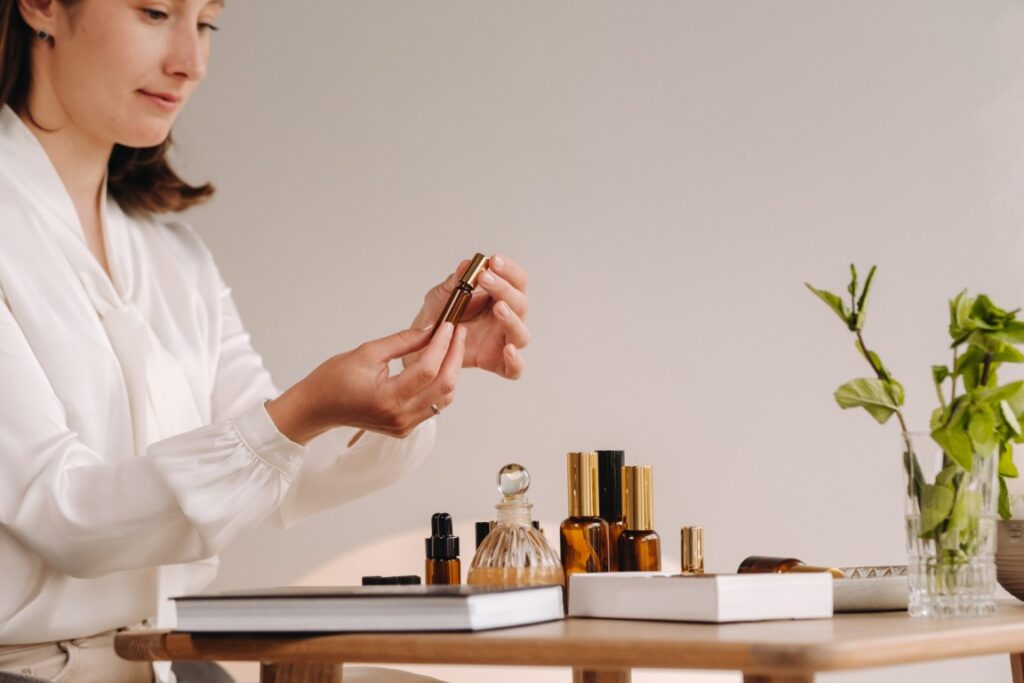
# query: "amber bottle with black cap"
583 535
639 546
442 563
609 484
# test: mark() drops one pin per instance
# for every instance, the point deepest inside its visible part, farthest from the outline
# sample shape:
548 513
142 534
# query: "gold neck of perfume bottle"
581 471
638 497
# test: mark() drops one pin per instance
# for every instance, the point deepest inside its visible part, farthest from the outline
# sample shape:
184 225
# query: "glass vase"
950 518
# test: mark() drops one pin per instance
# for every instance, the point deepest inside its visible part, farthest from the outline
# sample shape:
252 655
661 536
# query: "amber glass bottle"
639 546
760 564
583 535
609 484
442 565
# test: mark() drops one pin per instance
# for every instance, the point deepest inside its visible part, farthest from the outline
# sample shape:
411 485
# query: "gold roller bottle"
583 535
609 479
462 293
760 564
453 308
639 545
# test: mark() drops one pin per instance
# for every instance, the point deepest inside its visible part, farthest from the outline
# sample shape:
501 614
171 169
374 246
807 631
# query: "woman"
139 431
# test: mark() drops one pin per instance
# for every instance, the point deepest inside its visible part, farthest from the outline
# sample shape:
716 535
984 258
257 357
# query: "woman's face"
121 70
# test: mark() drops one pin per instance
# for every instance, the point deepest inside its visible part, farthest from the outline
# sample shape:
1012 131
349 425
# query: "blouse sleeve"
87 514
331 474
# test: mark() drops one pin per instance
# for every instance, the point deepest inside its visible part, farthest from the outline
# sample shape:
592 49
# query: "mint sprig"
984 419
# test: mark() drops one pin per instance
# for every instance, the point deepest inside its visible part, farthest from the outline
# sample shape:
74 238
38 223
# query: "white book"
368 608
700 597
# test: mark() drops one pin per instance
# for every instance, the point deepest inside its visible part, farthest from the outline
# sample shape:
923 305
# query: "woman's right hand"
356 389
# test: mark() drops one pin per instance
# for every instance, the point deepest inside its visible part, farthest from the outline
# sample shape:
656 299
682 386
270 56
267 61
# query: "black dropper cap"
609 484
442 545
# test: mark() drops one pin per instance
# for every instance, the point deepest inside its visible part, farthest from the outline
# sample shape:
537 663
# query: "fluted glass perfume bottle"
514 553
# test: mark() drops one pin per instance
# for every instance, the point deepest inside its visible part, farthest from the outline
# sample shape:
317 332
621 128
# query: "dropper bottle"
442 564
514 553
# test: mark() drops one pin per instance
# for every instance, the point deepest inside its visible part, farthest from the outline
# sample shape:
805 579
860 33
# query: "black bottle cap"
482 529
609 484
404 580
442 545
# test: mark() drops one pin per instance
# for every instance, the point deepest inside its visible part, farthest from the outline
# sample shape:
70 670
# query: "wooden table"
604 651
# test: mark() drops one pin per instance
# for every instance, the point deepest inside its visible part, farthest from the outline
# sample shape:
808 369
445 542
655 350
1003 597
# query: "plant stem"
985 369
952 389
881 375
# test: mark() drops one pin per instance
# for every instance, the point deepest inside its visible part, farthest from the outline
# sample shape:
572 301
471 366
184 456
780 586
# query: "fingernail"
501 308
487 278
497 262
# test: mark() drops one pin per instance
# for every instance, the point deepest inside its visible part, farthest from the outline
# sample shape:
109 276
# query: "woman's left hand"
495 319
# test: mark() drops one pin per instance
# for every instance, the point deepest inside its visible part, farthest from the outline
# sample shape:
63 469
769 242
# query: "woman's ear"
40 15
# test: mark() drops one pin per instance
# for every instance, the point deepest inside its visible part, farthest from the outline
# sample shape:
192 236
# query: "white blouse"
134 441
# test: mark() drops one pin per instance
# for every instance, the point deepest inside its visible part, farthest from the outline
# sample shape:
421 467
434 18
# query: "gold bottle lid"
476 266
691 540
638 497
581 469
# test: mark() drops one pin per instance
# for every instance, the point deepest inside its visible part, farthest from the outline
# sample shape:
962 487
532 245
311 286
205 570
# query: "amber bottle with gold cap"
463 292
583 535
639 546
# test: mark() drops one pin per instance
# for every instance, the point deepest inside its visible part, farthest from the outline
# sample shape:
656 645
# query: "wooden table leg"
1017 666
778 678
300 672
580 675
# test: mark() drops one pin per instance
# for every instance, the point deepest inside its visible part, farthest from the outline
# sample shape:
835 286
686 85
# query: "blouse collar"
29 167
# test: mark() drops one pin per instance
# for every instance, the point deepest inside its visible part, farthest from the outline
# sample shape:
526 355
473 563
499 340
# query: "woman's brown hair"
140 179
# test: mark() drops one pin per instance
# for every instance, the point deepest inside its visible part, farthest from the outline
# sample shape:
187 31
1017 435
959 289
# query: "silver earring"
42 35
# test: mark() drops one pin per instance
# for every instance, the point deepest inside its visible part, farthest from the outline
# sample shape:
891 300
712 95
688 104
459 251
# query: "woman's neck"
80 161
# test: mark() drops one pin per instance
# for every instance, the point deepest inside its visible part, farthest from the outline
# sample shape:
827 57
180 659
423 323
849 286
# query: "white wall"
670 172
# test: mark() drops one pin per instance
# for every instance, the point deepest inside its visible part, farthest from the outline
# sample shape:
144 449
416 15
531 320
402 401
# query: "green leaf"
1004 500
953 436
1007 392
915 478
874 361
987 316
966 509
1012 333
1006 466
939 375
834 302
874 395
982 428
969 365
1009 417
960 323
936 504
862 302
852 288
945 477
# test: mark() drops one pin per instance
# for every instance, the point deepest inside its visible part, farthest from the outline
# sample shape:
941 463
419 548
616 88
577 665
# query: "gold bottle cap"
476 266
583 487
692 541
638 497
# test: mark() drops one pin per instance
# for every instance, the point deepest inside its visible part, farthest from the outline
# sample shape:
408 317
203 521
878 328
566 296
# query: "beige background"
670 173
